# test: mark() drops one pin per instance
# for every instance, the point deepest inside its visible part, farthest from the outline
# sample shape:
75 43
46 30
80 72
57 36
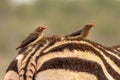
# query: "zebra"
55 58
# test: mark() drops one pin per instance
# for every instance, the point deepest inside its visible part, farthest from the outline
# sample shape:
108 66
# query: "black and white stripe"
55 58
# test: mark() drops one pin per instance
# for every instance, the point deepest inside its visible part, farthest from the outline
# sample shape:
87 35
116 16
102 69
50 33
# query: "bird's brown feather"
29 39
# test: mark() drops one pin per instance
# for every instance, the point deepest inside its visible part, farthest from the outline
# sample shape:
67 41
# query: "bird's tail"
17 47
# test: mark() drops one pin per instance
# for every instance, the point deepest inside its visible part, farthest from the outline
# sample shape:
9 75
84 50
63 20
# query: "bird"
33 37
82 33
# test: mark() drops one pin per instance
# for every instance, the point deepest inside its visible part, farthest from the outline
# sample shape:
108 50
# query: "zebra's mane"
53 39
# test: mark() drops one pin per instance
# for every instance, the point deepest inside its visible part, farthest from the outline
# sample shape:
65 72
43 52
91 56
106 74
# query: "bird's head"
88 26
40 29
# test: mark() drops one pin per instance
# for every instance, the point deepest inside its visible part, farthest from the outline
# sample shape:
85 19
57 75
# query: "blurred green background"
20 17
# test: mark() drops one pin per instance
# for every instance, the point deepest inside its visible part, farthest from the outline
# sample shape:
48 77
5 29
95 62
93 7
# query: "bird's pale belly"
34 42
58 74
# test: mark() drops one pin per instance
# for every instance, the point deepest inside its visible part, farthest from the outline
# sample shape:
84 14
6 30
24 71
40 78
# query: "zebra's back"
54 58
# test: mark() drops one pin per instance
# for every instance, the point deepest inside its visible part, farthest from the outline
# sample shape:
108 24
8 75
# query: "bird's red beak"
92 25
44 27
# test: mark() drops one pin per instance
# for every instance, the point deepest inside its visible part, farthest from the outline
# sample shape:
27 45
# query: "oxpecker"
33 37
82 33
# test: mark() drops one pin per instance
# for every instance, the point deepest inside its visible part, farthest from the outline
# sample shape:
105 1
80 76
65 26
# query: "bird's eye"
41 28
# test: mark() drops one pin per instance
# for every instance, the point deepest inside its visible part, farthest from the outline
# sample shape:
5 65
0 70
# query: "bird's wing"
29 39
76 33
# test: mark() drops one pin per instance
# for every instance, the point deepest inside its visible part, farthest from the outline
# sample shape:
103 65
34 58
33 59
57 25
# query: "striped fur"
55 58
